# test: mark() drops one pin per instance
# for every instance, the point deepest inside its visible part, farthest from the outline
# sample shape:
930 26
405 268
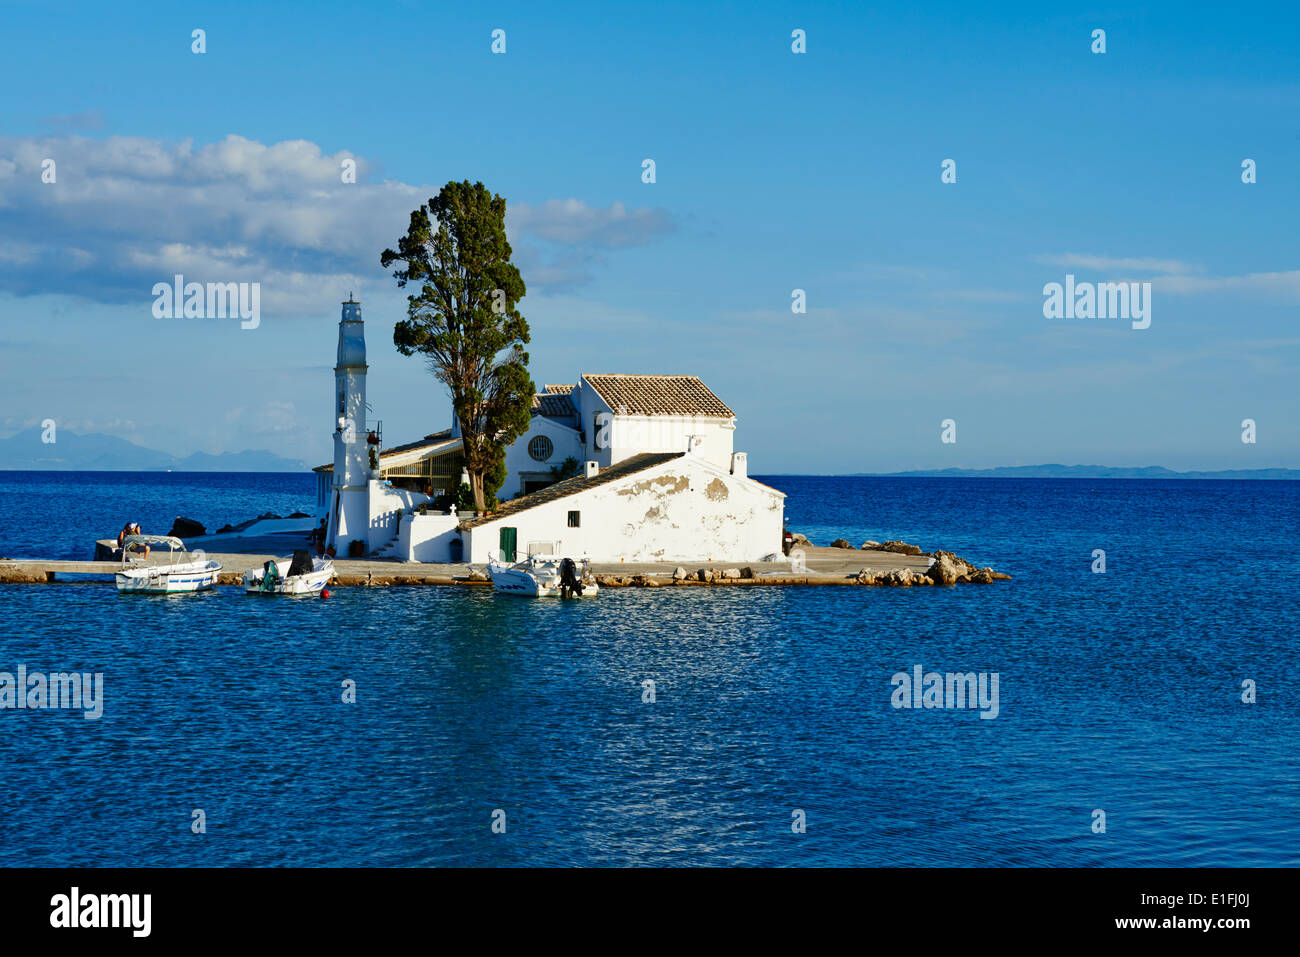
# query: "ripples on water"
1118 691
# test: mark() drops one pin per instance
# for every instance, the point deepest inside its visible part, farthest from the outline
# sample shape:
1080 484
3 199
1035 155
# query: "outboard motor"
570 580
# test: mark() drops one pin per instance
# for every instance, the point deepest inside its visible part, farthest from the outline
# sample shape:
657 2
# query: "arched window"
540 448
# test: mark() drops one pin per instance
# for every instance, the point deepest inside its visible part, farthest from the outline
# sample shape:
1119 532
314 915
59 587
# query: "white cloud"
1282 286
568 239
1175 277
272 417
1083 261
127 212
573 222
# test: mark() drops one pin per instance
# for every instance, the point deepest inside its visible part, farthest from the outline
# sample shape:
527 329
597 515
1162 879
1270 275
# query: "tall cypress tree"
465 320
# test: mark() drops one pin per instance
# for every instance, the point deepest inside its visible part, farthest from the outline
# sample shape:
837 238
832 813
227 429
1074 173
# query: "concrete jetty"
815 566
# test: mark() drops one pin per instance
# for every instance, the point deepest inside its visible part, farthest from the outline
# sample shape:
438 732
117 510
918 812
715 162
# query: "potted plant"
465 502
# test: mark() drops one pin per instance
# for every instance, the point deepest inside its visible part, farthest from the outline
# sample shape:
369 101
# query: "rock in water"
900 548
187 528
841 543
679 573
945 571
869 545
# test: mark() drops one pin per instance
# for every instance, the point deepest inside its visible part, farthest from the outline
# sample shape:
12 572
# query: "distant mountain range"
92 451
1091 471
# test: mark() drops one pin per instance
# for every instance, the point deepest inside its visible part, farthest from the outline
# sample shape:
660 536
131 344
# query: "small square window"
575 519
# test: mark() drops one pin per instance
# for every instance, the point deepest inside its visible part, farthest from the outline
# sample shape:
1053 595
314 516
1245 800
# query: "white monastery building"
652 476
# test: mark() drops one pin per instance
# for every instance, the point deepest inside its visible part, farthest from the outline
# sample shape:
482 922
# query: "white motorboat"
194 574
543 577
302 574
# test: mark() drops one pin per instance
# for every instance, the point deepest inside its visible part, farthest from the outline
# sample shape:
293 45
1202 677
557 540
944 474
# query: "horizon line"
946 472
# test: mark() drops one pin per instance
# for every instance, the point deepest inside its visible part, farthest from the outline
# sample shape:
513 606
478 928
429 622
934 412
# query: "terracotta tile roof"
429 441
580 483
557 389
433 438
554 405
658 395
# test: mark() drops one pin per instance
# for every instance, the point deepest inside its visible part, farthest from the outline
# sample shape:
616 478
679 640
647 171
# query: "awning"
167 540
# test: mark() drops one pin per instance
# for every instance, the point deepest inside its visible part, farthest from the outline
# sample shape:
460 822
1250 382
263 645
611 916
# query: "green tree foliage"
465 320
566 469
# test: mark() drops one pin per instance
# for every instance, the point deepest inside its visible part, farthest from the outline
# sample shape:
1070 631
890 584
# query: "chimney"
592 469
739 465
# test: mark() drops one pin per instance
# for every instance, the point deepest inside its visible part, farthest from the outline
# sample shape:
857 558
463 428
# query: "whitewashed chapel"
657 477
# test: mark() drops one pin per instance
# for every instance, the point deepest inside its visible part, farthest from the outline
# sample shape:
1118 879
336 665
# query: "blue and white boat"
195 574
543 577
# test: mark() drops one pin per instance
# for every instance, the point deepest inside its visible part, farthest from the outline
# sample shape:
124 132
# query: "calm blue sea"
1118 691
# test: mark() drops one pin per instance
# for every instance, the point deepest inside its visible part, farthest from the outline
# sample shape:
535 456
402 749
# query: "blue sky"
775 171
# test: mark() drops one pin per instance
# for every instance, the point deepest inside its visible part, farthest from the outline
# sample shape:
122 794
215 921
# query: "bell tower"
350 507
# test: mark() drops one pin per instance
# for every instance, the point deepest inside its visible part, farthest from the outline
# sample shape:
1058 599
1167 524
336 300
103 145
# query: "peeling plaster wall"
682 511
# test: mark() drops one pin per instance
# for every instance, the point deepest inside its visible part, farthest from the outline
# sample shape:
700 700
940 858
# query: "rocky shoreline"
947 569
888 564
